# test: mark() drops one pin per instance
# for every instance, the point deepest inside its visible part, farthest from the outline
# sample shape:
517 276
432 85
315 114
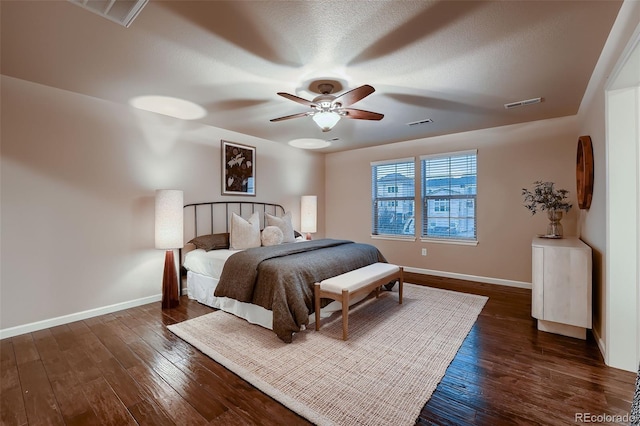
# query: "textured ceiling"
454 62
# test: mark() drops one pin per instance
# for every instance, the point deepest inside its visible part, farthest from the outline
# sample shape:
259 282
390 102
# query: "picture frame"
238 169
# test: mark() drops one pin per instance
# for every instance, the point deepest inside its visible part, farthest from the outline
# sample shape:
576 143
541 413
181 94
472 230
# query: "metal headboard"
213 217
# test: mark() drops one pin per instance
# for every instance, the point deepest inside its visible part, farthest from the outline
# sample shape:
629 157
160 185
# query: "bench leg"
400 282
316 296
345 314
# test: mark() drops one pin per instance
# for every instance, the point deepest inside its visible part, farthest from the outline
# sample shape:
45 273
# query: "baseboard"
79 316
487 280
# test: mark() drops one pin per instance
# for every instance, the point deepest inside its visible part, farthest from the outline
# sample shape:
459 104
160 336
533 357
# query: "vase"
554 228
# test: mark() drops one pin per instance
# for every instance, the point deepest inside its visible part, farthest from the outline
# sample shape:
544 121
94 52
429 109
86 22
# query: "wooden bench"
351 284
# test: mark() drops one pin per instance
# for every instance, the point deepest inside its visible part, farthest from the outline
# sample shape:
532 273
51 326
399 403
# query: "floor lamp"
169 236
309 215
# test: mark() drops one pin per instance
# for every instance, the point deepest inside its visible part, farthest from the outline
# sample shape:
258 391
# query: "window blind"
393 197
449 190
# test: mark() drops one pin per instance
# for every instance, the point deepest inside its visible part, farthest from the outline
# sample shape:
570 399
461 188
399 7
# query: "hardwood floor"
126 368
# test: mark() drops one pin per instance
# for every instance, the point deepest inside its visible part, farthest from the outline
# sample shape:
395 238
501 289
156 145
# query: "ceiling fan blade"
287 117
353 96
360 114
297 99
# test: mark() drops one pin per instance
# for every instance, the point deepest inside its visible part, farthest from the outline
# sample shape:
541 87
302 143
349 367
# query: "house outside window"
449 189
393 197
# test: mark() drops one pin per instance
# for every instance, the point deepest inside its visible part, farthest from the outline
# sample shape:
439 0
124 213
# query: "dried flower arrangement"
545 197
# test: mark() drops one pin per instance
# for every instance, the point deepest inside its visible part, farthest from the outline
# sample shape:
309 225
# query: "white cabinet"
561 286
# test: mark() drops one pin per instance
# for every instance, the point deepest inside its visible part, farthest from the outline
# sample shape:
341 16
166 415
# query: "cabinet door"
537 282
566 277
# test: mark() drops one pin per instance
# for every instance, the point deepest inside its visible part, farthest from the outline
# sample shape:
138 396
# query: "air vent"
420 122
122 12
523 103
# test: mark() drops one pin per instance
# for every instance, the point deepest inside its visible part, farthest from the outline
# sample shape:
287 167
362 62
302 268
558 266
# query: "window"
449 191
393 197
441 205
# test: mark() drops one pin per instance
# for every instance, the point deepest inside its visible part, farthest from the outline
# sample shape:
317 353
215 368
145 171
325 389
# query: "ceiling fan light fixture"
326 119
327 109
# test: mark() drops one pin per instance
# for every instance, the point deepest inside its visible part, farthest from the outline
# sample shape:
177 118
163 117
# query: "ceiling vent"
420 122
121 12
523 103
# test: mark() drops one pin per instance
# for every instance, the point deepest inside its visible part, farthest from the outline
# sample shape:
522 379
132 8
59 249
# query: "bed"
269 284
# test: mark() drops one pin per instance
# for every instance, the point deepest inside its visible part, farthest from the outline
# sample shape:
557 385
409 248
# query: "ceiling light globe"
326 120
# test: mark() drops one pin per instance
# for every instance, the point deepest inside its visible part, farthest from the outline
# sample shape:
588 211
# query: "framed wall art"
238 169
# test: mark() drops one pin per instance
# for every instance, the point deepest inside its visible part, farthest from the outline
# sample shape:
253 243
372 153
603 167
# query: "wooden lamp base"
169 283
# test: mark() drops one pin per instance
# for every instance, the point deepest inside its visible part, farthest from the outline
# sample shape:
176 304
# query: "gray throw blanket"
281 278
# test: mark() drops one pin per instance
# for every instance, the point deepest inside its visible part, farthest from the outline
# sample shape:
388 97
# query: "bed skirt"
201 288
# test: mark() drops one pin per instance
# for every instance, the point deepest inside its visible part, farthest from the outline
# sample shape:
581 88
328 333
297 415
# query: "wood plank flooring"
125 368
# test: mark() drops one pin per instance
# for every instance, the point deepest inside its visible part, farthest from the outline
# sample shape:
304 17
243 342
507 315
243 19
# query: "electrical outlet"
424 251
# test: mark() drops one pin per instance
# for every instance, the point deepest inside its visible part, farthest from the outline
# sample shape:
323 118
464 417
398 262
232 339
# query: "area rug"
383 375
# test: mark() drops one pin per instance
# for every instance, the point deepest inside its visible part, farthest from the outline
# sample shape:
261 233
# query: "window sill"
394 237
450 241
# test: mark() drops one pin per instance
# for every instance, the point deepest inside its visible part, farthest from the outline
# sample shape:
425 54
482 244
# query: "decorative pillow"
272 236
284 223
211 241
244 233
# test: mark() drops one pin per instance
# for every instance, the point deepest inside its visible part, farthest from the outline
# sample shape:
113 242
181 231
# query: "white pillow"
244 233
284 223
271 236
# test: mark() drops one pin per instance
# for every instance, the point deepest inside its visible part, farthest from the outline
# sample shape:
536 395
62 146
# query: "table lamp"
309 215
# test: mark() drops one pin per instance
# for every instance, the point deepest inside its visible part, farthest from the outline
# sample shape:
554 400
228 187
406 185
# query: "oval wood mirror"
584 172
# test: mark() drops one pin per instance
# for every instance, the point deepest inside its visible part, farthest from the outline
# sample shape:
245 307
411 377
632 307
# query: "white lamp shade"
309 213
326 120
169 219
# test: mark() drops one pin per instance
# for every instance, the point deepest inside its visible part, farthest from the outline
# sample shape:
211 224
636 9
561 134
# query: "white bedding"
203 273
201 288
207 263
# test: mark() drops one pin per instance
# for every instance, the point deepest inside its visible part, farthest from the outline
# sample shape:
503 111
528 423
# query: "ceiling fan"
327 109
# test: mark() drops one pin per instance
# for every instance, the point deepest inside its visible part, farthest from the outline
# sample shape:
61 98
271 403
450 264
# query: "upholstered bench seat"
354 283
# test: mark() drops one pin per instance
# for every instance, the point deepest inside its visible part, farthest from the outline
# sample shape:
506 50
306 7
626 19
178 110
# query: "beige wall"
592 222
509 158
591 121
78 177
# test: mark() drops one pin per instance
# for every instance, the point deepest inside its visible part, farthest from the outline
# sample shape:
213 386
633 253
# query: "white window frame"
453 199
393 199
